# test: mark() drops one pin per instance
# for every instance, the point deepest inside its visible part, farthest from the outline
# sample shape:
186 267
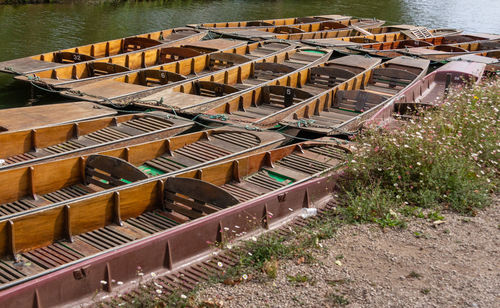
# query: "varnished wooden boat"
142 83
354 23
396 48
78 138
430 91
23 118
96 51
489 48
79 74
377 33
345 108
67 232
270 22
213 89
267 105
47 183
384 35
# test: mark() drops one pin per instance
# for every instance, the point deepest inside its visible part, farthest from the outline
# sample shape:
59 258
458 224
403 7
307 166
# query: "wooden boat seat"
177 35
267 49
194 198
305 57
71 57
108 172
104 68
331 25
414 43
362 40
306 20
172 54
275 46
269 71
357 100
153 78
283 96
328 77
287 30
259 24
489 45
447 48
213 89
136 43
222 60
391 78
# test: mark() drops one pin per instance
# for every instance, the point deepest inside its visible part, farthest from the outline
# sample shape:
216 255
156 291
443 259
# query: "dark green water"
30 29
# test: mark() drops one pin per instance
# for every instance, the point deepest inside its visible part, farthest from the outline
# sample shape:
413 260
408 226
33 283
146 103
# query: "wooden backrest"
137 43
287 30
306 20
281 95
213 89
222 60
328 77
270 71
357 100
448 48
104 68
414 43
71 57
158 77
330 25
108 172
194 198
259 24
171 54
392 77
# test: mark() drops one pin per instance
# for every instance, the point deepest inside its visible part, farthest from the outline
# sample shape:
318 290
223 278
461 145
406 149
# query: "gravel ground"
454 264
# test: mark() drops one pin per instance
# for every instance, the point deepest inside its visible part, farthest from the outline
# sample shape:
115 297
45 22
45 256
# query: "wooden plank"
24 118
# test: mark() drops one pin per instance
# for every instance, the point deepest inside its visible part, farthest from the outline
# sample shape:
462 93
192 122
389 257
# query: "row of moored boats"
175 125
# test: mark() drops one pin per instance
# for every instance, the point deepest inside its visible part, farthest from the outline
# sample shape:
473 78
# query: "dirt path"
454 264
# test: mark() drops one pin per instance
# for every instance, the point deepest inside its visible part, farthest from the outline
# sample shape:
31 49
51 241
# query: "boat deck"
23 118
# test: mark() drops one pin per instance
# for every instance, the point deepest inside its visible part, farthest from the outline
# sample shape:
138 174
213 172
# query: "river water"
31 29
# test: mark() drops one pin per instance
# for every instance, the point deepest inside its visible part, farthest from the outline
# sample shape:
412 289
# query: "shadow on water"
31 29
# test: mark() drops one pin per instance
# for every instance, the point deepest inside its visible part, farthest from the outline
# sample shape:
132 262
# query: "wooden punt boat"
96 51
78 138
47 183
270 22
213 89
345 108
430 91
267 105
142 83
383 42
354 23
78 74
23 118
396 48
384 34
489 48
68 232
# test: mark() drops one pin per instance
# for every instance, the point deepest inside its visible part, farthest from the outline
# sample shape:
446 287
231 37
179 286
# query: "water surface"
31 29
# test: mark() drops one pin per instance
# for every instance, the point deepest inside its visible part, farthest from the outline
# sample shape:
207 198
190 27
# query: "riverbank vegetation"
445 160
